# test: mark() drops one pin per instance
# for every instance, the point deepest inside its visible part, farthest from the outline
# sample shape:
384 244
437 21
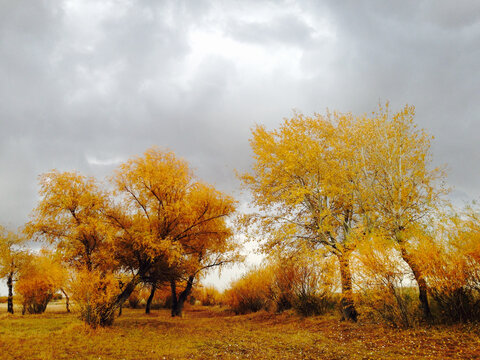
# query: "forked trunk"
150 299
107 314
177 303
10 293
346 303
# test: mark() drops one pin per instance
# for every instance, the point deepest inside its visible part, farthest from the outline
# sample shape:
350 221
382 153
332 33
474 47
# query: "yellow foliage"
39 280
449 258
252 292
328 182
207 295
169 216
384 283
69 215
93 293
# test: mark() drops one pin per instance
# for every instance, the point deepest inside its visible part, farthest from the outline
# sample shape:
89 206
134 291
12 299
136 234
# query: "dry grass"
215 334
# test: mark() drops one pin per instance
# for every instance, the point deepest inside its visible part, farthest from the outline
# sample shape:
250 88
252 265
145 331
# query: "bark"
422 284
67 299
177 303
150 299
346 303
10 293
108 313
173 288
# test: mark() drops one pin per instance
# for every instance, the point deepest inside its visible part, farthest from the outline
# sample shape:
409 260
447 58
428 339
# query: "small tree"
38 282
13 257
303 184
70 216
449 258
401 188
93 292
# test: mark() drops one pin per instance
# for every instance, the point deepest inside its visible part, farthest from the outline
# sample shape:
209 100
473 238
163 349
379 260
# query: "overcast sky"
85 84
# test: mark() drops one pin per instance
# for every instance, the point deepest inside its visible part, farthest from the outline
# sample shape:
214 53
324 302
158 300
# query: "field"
213 333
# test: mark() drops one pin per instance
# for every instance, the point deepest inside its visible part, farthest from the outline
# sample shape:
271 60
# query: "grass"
213 333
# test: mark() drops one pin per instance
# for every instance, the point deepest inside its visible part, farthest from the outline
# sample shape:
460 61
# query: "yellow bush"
93 293
38 282
252 292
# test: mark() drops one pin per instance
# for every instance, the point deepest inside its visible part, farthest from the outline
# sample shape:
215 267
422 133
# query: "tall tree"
159 221
302 185
167 221
13 257
332 181
403 188
70 216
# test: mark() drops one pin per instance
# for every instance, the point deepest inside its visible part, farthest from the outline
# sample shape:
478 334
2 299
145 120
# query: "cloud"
92 160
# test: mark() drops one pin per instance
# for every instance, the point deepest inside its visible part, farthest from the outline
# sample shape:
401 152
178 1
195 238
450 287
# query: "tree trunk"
10 293
177 303
150 298
173 288
107 315
67 300
422 284
346 303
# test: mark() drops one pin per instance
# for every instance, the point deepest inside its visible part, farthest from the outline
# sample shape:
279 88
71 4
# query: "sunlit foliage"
160 224
170 226
329 182
40 278
286 283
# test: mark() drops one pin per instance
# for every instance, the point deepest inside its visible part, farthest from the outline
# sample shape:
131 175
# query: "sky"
87 84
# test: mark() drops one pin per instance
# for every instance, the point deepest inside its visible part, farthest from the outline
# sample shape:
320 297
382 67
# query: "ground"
214 333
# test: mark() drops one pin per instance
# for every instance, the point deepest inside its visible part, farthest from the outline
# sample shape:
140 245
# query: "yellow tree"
168 223
12 258
69 215
401 187
208 244
39 280
449 258
303 187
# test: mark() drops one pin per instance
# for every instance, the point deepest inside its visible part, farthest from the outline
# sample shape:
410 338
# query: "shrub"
287 283
312 305
450 262
36 293
458 305
252 292
93 293
38 282
304 285
381 292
